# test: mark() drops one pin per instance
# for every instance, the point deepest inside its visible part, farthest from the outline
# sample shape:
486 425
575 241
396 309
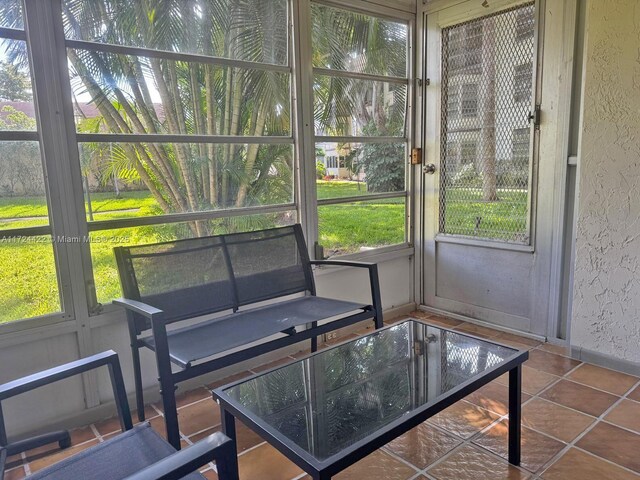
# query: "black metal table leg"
229 429
515 414
228 424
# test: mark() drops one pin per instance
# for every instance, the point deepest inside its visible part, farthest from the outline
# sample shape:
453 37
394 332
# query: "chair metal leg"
137 377
314 340
515 407
3 461
168 392
61 437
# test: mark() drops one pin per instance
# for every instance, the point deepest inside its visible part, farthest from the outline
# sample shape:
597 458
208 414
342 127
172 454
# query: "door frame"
557 26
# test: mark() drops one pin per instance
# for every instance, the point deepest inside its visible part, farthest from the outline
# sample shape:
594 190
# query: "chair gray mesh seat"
114 459
209 338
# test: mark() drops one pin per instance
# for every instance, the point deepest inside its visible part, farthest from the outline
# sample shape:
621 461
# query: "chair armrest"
46 377
54 374
374 281
141 308
216 447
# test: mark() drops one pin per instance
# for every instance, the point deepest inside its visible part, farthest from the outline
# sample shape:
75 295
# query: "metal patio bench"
138 453
181 280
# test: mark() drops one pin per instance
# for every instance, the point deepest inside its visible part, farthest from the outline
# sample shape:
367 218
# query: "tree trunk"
488 142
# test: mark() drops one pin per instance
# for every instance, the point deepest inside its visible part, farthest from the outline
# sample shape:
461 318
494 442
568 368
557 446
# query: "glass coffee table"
329 410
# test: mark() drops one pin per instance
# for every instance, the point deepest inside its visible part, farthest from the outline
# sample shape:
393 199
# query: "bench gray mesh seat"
116 458
206 339
170 282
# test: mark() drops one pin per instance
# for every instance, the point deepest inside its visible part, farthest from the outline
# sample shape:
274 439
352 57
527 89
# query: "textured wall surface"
606 308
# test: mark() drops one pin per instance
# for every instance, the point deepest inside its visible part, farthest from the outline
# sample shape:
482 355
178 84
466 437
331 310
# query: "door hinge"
534 117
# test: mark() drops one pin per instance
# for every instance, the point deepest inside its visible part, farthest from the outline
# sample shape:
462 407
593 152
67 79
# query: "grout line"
571 444
415 476
399 458
252 448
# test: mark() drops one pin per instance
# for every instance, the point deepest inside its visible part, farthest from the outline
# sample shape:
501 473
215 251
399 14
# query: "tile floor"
580 422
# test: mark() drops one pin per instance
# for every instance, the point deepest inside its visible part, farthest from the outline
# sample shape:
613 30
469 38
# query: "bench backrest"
199 276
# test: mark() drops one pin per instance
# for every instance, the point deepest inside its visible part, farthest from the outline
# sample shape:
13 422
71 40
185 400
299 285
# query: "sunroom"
287 239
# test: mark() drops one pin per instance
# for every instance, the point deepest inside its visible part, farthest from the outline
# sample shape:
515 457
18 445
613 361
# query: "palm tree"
152 95
363 44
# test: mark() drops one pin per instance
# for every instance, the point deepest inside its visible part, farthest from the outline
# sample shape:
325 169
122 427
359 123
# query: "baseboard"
482 323
605 360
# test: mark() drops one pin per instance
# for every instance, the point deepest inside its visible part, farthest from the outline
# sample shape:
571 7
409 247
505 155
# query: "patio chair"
138 453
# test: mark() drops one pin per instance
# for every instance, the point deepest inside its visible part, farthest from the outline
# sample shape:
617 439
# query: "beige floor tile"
537 449
626 414
550 363
377 465
210 475
478 330
554 420
245 437
563 350
504 336
230 379
187 398
494 397
471 463
276 363
40 463
463 419
604 379
198 416
111 425
423 445
635 394
438 320
17 473
266 463
614 444
577 465
533 381
579 397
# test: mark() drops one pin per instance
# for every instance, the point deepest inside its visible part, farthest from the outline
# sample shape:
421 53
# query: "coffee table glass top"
331 400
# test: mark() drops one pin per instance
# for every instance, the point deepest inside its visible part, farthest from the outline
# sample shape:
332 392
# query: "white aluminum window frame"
52 197
59 141
311 138
175 218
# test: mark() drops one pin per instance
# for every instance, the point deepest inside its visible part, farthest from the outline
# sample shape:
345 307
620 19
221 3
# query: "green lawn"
346 228
28 275
467 214
340 189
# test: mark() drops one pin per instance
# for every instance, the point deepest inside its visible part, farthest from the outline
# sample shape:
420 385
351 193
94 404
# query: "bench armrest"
343 263
140 308
374 280
216 447
46 377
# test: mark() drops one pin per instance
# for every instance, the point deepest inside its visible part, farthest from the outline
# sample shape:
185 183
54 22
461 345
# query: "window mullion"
54 112
303 68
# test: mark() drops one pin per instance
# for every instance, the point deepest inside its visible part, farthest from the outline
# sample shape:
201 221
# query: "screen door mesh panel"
487 88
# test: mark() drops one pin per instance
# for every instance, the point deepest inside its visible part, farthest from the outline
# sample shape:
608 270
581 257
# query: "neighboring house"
473 53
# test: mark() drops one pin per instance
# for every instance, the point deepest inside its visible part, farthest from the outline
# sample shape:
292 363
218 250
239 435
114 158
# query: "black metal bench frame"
216 447
158 321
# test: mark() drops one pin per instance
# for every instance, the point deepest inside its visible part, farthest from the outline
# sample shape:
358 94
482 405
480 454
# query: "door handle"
429 169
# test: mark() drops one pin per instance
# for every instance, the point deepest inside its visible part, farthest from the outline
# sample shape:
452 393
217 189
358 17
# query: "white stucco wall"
606 307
